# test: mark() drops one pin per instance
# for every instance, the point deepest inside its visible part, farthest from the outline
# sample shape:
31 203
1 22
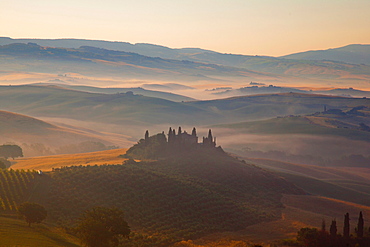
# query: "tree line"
313 237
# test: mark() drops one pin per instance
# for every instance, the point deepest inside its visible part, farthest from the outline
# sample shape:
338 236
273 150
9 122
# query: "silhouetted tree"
146 135
210 135
194 132
170 135
333 229
13 151
346 226
102 227
360 226
32 212
323 226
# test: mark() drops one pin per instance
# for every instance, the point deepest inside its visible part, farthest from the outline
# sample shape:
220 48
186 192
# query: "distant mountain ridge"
355 54
95 61
187 64
342 54
254 90
137 90
146 49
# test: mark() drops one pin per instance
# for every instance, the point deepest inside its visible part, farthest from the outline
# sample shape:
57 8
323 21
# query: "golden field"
46 163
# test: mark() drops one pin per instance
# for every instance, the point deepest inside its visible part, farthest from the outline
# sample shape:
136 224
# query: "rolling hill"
185 196
253 107
350 184
271 89
124 109
97 62
31 132
145 49
189 64
300 211
139 90
14 232
355 54
331 138
129 114
205 192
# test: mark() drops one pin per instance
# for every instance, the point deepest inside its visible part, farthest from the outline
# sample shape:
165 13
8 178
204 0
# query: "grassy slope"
24 129
181 198
14 232
46 163
345 183
295 125
299 212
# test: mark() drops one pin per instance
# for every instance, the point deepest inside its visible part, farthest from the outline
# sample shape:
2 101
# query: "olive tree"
102 227
32 212
13 151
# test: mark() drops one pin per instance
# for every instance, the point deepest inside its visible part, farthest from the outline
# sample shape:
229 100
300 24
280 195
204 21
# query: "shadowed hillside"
350 183
185 195
42 138
135 110
332 137
123 108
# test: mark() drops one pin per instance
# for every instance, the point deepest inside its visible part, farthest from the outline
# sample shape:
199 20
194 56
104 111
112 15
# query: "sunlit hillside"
299 212
15 232
351 184
27 131
47 163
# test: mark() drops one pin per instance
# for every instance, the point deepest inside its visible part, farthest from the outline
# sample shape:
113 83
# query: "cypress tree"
210 137
360 226
323 226
146 135
333 228
174 137
346 226
194 132
170 135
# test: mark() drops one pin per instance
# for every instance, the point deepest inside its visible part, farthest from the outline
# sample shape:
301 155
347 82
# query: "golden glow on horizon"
253 27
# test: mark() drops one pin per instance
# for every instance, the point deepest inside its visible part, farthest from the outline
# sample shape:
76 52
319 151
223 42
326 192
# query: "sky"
249 27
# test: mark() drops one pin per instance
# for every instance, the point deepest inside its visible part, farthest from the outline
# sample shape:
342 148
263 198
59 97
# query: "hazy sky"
251 27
